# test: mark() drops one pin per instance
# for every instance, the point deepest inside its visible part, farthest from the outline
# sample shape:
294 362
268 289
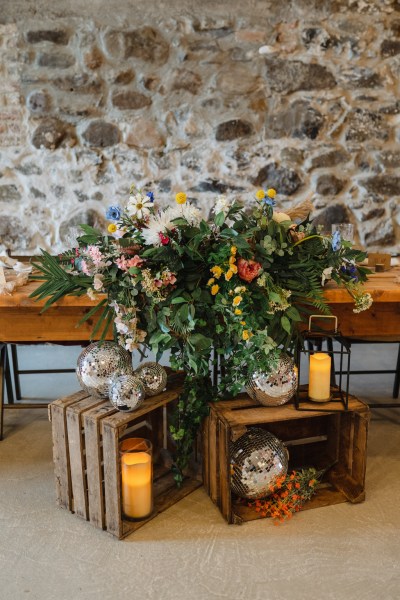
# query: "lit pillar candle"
319 386
136 484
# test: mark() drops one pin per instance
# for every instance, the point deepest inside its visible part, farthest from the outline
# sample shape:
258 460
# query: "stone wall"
179 96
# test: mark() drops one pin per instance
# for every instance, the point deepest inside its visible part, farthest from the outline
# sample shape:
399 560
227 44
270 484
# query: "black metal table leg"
17 381
396 385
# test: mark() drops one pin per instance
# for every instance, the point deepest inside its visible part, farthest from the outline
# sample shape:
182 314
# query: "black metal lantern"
323 393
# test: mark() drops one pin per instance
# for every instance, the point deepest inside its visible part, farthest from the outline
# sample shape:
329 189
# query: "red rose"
248 269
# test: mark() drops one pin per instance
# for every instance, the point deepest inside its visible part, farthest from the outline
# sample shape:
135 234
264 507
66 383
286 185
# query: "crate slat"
74 415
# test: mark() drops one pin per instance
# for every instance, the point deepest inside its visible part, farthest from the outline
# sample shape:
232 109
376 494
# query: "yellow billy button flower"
233 250
180 198
210 281
112 228
237 300
271 193
245 335
216 271
260 194
228 275
214 289
238 311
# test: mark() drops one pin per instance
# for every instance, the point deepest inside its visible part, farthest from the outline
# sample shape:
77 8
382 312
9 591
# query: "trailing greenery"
227 293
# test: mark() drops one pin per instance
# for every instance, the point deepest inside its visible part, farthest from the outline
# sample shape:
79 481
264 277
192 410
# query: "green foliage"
233 289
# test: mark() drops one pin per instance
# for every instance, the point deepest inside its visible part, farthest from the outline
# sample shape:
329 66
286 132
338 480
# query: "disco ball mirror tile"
257 459
99 363
153 376
276 388
126 393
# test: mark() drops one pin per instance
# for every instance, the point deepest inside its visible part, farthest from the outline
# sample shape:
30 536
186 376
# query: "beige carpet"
344 551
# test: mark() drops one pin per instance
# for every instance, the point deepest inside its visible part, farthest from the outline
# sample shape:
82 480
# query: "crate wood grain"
61 459
86 436
336 441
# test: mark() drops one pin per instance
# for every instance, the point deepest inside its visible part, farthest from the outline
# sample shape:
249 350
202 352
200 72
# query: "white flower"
158 223
221 204
189 212
130 345
92 294
326 274
362 302
120 326
98 282
139 206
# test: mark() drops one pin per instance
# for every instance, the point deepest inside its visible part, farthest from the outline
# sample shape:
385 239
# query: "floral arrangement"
289 495
226 293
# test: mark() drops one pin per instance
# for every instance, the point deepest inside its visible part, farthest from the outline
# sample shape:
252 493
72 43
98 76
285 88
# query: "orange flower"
297 485
248 269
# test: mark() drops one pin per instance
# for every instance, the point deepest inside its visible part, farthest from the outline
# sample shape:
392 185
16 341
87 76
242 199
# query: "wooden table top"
21 320
384 287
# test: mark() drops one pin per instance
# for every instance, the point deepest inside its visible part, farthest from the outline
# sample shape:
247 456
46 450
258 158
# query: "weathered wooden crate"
337 441
86 436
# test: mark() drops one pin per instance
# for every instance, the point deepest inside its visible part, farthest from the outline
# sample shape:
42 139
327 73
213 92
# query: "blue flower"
336 241
113 213
351 271
269 201
150 195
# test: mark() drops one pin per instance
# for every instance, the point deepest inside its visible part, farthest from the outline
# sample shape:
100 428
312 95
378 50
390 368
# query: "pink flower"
248 269
168 278
95 255
85 268
136 261
158 283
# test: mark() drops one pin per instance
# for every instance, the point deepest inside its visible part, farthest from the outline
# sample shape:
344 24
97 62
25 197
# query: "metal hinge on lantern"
323 393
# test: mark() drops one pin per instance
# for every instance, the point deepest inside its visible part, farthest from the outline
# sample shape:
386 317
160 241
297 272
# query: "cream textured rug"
340 552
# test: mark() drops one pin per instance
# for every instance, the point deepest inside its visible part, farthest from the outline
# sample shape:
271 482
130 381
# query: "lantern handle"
322 317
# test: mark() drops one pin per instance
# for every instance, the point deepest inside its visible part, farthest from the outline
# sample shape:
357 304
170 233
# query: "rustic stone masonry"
210 97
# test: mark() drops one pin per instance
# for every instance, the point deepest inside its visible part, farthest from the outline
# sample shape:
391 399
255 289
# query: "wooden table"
21 321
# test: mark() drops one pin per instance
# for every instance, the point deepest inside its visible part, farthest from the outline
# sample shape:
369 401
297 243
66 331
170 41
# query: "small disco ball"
99 363
153 376
257 459
277 387
126 393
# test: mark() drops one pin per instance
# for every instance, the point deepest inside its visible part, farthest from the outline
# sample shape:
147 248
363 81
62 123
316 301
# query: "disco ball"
99 363
153 376
257 459
126 393
277 387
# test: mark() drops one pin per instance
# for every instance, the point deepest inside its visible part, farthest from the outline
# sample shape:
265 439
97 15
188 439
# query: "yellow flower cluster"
216 271
260 194
232 266
180 198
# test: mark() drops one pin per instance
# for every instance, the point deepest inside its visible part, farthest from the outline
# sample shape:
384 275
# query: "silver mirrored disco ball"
126 393
153 376
257 459
277 387
99 363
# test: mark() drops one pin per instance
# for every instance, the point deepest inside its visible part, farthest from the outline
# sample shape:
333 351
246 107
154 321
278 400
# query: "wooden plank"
213 445
121 419
112 479
94 455
359 465
77 459
205 436
61 457
225 471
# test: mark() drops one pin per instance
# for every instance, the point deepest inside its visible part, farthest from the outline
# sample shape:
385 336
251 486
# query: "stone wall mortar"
189 103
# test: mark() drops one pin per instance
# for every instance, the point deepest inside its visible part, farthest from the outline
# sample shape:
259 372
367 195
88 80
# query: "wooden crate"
86 435
314 439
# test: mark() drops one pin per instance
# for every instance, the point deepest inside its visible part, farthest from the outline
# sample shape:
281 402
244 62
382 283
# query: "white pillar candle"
319 386
136 474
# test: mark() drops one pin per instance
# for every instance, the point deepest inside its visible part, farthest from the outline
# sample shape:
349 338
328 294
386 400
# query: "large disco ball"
277 387
257 459
126 393
99 363
153 376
